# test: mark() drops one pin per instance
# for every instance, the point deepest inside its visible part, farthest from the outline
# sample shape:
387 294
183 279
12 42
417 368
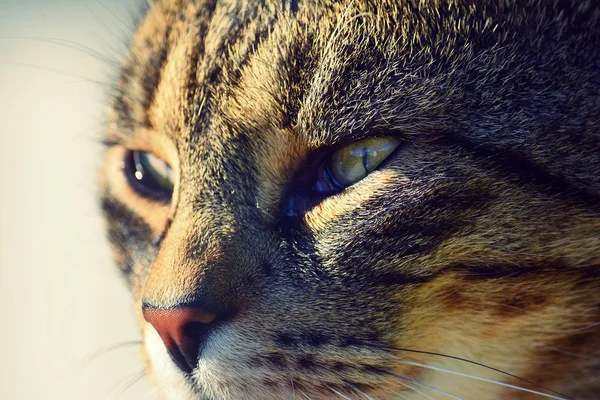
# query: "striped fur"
478 239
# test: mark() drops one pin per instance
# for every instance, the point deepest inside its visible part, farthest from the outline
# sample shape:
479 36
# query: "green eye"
352 163
149 175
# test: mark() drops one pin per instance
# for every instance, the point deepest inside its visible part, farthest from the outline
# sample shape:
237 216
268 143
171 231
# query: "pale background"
61 299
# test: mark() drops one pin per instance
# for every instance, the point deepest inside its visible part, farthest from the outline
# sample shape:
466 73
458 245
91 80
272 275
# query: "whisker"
338 393
423 385
304 394
72 45
108 28
265 63
293 388
281 13
273 95
55 71
151 392
466 361
129 28
401 396
556 349
366 396
480 378
334 34
414 389
590 326
127 384
103 351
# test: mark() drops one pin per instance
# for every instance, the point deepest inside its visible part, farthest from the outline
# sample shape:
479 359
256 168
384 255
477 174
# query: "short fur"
478 239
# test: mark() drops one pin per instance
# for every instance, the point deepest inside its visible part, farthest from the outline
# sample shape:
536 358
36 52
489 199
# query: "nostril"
183 330
196 329
185 357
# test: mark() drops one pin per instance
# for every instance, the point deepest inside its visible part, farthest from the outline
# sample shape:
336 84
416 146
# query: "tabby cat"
368 199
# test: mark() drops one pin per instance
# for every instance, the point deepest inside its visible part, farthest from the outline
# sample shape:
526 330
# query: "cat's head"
360 199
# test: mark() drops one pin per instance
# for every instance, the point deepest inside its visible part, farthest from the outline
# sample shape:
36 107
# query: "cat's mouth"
234 365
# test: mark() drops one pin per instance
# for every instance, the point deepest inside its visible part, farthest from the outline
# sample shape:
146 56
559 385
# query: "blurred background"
67 322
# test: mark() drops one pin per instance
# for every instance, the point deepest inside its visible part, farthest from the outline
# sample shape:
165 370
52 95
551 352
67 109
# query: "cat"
368 199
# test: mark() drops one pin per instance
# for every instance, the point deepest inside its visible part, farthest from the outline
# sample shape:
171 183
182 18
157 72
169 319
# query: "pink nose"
183 330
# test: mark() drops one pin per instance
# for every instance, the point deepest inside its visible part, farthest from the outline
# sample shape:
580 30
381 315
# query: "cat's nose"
183 330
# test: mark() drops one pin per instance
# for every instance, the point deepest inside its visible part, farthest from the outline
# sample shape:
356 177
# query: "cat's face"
324 200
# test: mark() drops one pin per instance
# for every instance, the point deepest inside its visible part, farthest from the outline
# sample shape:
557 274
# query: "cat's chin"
224 372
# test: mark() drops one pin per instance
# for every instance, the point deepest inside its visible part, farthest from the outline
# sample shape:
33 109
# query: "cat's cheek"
162 371
355 196
113 177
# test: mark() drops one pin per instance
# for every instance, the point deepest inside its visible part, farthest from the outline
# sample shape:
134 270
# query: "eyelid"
357 160
115 184
300 196
336 143
145 180
318 155
160 169
144 140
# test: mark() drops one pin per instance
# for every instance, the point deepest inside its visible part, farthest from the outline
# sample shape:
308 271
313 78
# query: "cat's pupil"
354 162
149 175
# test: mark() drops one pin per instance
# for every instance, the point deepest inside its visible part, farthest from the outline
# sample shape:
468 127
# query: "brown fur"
479 238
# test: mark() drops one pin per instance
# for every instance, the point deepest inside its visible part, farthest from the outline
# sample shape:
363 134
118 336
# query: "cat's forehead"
311 74
328 70
194 62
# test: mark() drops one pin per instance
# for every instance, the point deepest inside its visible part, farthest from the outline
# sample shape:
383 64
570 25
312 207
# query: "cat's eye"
354 162
149 175
327 174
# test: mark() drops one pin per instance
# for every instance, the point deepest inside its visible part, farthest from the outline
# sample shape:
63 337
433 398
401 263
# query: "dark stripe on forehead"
142 70
221 41
195 91
151 75
225 145
244 28
122 101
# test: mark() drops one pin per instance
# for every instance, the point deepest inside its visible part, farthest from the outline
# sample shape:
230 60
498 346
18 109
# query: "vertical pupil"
152 171
149 175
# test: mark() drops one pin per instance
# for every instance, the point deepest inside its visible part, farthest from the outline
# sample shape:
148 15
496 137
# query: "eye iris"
355 161
349 164
149 175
